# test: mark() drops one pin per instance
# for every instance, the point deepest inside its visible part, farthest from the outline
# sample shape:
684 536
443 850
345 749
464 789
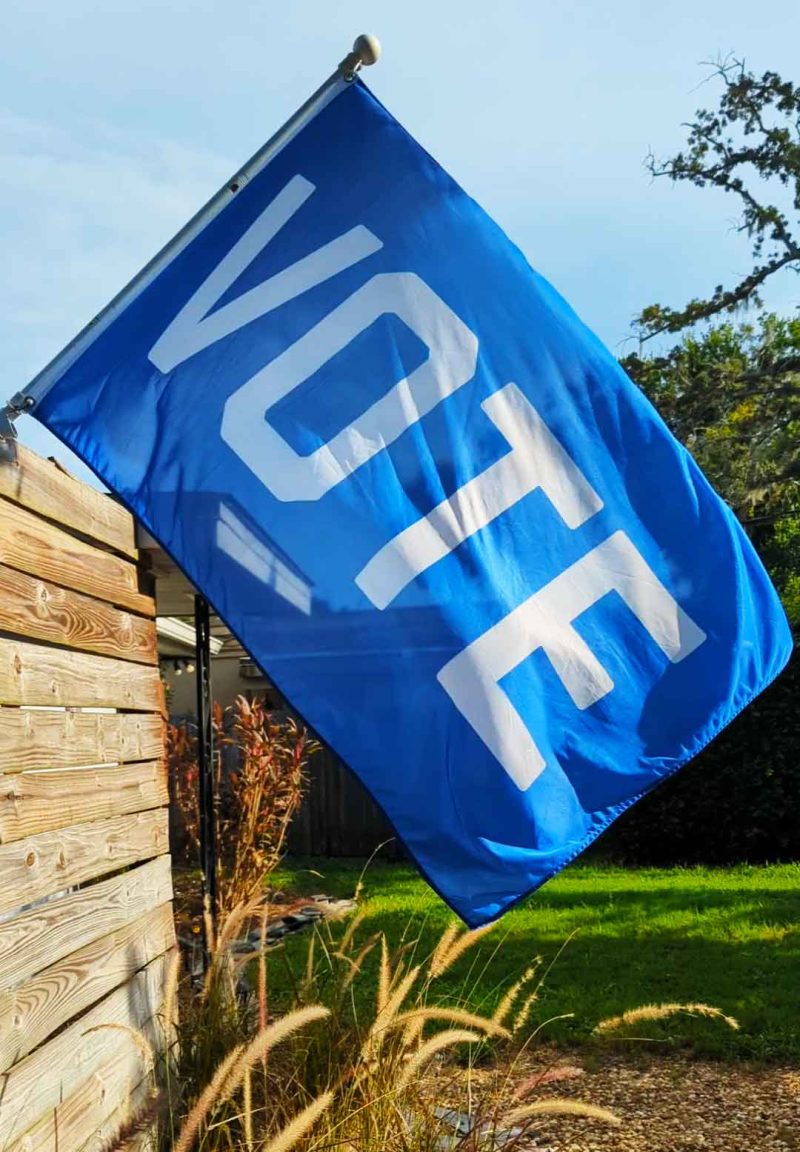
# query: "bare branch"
751 138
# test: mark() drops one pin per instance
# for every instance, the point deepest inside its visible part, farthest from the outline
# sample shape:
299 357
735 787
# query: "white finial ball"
368 49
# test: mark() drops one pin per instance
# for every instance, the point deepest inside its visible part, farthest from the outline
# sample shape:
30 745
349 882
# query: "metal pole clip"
8 431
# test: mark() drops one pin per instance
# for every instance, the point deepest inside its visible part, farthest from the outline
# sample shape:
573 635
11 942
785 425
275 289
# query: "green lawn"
728 937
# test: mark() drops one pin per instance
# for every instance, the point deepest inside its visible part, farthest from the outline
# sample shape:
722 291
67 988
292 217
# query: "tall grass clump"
325 1075
370 1052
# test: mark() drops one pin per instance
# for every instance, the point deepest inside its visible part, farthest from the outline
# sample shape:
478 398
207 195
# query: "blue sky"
119 119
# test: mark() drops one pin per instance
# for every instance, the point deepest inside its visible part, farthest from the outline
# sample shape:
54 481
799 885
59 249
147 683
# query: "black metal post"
205 763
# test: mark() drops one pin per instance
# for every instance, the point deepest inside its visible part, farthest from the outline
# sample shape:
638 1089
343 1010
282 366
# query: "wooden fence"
86 928
338 816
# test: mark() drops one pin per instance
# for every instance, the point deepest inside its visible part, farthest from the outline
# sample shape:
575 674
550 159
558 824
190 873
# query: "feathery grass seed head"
560 1107
663 1012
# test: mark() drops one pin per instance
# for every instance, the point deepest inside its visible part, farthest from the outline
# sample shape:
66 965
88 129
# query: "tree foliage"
732 395
749 147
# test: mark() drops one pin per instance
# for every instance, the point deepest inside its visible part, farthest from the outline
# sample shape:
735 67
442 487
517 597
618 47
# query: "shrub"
259 766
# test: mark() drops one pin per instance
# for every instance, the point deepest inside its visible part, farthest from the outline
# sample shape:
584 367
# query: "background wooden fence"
338 816
86 928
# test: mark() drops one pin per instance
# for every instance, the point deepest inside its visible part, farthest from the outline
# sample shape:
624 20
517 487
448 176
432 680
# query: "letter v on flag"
428 502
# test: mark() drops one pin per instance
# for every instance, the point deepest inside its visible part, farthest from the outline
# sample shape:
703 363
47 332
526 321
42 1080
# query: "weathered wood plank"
42 865
33 545
44 935
34 1010
32 802
51 1074
43 487
89 1119
133 1101
30 738
38 675
42 611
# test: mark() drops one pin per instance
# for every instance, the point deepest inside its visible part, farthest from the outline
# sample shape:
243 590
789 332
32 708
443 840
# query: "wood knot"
30 859
18 664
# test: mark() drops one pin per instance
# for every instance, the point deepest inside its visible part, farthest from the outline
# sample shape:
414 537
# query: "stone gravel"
670 1104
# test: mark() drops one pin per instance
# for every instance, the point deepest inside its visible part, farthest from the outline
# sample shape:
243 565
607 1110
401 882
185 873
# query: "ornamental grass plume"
169 1009
388 1008
662 1012
510 998
356 962
431 1048
231 1075
375 1067
146 1050
265 1041
300 1125
453 1016
384 975
445 943
562 1108
452 946
392 1057
374 1052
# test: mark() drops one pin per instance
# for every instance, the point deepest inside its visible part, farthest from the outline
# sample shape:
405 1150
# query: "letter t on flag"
426 500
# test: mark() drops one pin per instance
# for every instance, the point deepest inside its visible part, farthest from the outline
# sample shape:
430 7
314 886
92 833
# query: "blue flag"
429 503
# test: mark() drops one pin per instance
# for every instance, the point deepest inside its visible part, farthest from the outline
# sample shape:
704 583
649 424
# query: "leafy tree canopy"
732 396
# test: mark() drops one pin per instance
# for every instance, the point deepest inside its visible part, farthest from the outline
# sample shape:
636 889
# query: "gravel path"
674 1105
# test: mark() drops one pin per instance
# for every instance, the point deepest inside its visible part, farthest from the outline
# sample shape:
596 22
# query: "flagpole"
366 51
205 776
